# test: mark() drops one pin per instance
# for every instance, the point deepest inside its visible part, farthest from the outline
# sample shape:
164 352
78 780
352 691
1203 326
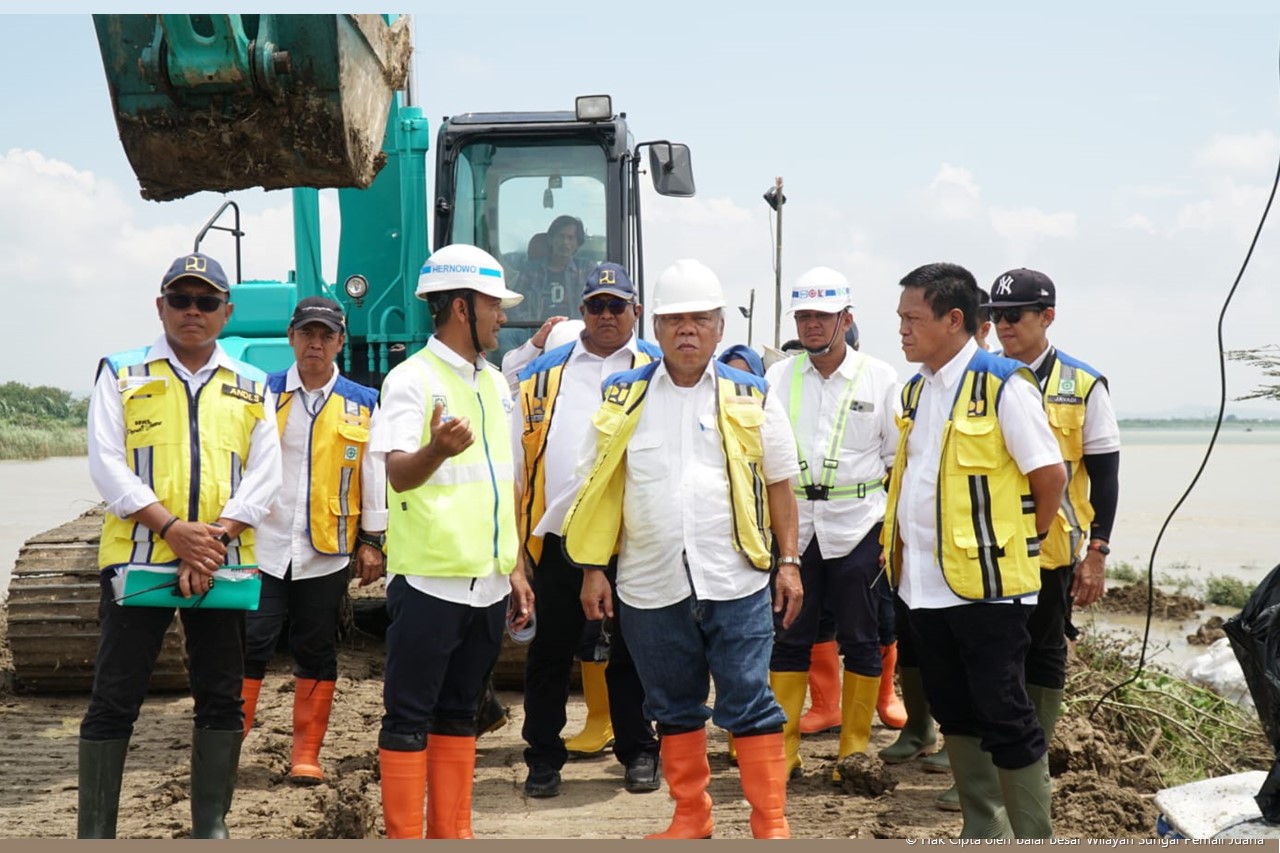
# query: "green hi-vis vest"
987 543
826 489
594 523
461 522
1066 394
539 390
336 447
191 450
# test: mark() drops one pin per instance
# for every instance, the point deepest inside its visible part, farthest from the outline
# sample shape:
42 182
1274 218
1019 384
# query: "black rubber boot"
214 758
101 769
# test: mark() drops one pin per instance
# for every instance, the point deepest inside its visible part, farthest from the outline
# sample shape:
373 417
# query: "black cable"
1217 426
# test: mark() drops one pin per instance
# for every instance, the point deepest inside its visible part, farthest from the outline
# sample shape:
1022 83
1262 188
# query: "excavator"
219 103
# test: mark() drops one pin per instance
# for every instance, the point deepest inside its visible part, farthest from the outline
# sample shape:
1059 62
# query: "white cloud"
1230 206
1138 222
954 195
1241 152
1029 223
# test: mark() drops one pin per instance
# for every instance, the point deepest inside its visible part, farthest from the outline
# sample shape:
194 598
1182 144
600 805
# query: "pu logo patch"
618 393
607 276
195 263
977 408
241 394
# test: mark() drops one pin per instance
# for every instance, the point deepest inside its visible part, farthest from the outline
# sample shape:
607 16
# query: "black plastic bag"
1255 639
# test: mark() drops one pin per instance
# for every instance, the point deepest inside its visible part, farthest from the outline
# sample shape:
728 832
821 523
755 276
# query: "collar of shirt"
467 370
708 375
1039 360
846 368
580 352
161 350
293 382
949 376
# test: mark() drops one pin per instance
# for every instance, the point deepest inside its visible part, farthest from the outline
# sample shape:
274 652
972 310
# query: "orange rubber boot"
824 689
249 690
889 706
688 773
404 791
450 774
762 764
312 701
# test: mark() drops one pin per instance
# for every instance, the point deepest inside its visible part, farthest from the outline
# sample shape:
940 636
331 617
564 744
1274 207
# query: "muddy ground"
1099 791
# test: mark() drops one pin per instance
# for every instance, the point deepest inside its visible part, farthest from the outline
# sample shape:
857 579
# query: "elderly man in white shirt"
182 451
841 405
689 469
975 486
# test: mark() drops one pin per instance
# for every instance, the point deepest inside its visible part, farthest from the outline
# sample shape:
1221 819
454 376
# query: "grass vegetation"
1183 732
41 421
1222 590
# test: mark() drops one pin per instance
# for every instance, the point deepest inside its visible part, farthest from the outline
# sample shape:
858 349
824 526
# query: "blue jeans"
678 650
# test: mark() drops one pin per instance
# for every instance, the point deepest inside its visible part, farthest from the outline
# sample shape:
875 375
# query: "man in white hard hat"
558 393
841 406
689 465
452 552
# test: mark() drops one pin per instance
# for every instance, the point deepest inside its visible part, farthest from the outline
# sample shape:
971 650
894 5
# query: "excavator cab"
226 102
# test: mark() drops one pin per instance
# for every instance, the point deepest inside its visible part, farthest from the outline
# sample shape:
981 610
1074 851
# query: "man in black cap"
1078 404
182 451
328 523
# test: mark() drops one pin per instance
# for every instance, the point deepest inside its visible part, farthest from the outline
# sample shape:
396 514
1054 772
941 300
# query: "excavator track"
53 614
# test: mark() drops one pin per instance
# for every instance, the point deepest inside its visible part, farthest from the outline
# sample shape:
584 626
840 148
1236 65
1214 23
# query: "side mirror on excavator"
671 168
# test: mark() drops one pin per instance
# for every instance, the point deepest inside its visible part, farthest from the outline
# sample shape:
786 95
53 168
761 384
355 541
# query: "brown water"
36 496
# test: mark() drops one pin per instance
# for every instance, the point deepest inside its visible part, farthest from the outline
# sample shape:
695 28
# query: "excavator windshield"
541 208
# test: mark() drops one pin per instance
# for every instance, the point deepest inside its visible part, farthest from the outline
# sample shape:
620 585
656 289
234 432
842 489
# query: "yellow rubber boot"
857 705
824 689
688 773
249 690
597 733
789 689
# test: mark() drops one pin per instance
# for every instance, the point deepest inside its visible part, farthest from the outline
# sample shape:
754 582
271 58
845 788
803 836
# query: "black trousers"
1047 658
439 655
128 646
906 640
557 589
312 607
850 587
972 657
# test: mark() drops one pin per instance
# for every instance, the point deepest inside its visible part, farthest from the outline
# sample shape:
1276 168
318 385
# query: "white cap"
564 332
463 267
687 286
821 289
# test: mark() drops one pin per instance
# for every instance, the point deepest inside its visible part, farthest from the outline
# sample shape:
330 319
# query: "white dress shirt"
870 441
1101 431
398 425
676 497
124 491
1025 429
576 401
282 538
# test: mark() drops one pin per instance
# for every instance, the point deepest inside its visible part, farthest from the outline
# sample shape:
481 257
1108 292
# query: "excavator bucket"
227 102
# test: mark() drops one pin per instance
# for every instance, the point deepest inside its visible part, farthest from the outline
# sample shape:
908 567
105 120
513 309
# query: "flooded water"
35 496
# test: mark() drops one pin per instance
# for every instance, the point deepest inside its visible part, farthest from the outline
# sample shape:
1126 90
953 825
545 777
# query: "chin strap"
835 333
471 321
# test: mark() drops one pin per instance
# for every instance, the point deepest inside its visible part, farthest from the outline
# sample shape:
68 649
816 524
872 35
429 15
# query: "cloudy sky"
1126 149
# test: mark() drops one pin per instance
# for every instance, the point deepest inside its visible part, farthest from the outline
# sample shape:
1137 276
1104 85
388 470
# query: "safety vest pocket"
745 421
1067 421
354 433
978 442
147 412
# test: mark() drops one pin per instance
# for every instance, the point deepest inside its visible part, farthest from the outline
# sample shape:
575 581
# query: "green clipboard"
235 587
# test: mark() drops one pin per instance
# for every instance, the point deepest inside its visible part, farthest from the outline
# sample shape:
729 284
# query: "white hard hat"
564 332
821 289
463 267
687 286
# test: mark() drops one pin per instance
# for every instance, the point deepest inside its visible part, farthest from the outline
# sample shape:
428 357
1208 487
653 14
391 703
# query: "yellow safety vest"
1066 395
194 472
461 522
594 523
337 444
987 543
539 390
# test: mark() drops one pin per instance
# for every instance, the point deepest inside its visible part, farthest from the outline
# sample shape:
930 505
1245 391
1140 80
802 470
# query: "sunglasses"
182 301
1012 315
615 306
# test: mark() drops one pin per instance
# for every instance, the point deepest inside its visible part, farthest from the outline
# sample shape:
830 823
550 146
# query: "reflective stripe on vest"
190 449
337 442
827 489
461 521
1066 396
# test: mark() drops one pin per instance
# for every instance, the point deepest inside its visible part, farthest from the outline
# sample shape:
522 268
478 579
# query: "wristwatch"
795 561
1101 547
373 540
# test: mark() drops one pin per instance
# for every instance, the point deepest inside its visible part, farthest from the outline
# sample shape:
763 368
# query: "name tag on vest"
241 394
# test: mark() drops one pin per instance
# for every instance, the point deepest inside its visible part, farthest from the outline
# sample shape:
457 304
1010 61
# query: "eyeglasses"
615 306
182 301
1012 315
